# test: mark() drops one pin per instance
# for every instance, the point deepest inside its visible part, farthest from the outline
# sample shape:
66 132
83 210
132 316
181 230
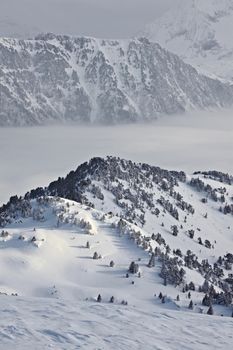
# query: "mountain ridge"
65 79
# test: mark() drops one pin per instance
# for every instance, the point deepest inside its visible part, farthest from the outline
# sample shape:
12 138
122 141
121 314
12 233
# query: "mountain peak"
199 32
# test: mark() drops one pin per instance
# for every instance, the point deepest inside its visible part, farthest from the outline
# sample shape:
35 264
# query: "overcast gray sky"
99 18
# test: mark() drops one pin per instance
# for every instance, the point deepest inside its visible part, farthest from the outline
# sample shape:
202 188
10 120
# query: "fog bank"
32 157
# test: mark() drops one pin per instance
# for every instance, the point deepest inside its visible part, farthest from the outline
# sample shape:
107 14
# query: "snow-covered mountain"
200 32
124 230
60 78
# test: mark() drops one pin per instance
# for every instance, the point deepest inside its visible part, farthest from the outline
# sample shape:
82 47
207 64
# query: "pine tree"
205 287
95 256
111 263
210 310
191 305
191 233
133 268
206 301
111 299
175 230
151 261
99 299
191 286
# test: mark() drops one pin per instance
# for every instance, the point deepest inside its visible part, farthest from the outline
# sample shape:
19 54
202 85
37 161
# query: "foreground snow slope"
29 323
199 31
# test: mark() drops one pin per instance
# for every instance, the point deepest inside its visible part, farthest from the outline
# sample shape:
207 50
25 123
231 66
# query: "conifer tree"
111 263
151 261
191 305
210 310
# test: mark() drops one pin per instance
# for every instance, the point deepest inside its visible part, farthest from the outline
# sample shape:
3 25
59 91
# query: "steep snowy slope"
65 79
168 223
200 32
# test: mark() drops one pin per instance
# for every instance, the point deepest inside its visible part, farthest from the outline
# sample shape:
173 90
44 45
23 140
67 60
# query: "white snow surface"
57 282
53 324
200 32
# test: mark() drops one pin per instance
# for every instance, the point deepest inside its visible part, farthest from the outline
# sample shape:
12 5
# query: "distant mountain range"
200 32
65 79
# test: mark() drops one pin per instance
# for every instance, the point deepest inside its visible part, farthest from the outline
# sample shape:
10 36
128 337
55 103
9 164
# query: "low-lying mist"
32 157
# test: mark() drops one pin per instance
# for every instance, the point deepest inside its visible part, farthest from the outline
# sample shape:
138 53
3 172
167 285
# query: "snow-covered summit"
200 32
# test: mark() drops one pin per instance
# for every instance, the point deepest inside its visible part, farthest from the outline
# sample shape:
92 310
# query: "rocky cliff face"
64 79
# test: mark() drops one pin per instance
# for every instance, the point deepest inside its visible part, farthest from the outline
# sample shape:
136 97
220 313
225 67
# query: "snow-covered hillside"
51 251
177 229
139 246
200 32
64 79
